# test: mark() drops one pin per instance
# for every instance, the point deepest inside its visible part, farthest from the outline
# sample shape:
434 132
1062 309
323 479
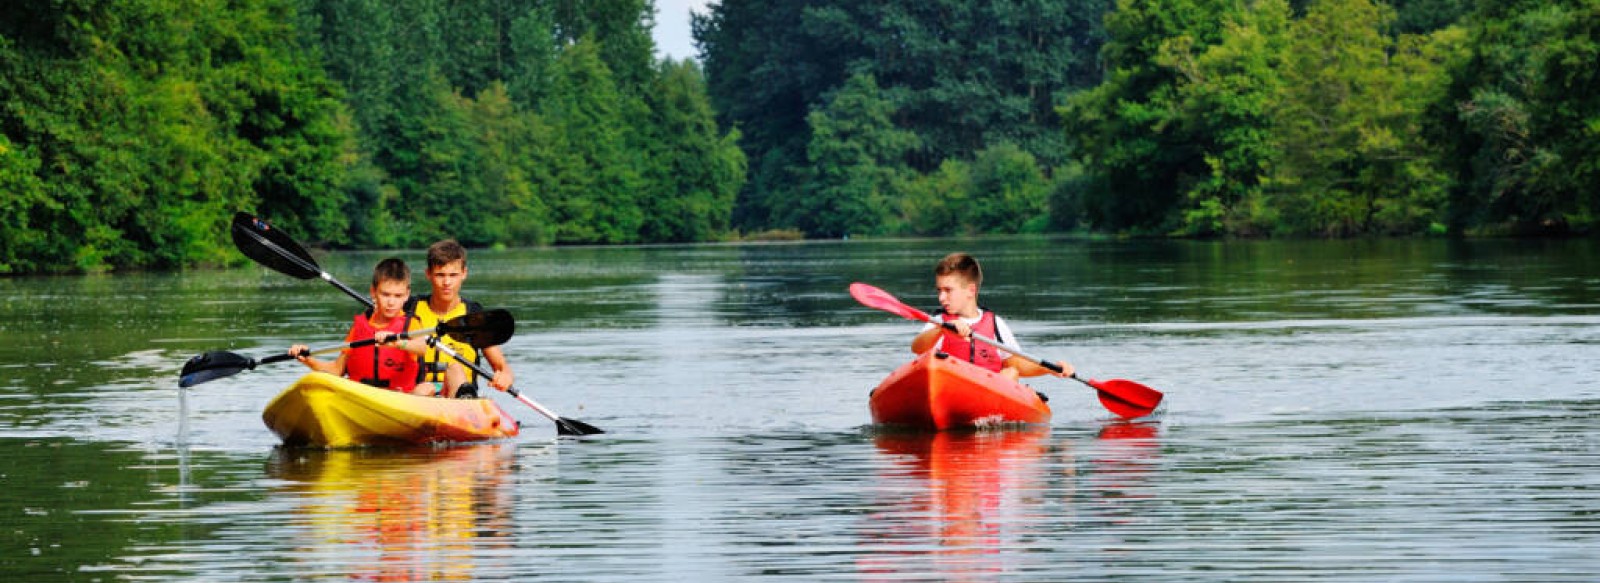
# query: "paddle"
274 249
1127 399
480 329
564 426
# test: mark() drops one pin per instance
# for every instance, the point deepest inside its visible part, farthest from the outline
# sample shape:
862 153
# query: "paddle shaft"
337 347
1053 366
564 425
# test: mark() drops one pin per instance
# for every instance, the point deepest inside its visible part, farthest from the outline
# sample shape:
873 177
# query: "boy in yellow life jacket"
447 270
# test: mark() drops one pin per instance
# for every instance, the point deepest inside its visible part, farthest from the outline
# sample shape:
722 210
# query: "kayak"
323 410
937 392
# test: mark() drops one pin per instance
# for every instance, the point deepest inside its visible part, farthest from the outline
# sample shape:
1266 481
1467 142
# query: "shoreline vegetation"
131 132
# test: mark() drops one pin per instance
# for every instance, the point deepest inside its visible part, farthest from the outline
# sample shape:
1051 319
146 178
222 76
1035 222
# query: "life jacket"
385 367
433 362
976 352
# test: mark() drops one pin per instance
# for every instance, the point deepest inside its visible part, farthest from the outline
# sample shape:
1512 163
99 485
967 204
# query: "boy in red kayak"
957 278
388 364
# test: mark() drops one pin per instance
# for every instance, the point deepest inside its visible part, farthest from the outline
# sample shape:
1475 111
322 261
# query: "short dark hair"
446 251
391 269
960 264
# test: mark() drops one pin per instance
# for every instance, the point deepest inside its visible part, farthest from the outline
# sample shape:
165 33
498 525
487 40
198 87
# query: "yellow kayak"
324 410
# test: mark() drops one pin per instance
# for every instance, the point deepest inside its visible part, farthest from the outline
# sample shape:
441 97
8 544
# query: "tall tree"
594 200
1128 129
694 170
962 76
854 165
1354 160
1521 118
149 122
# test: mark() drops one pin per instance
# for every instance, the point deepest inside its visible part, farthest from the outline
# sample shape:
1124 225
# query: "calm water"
1336 411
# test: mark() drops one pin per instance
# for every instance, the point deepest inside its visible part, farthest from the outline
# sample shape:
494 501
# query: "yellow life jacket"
434 361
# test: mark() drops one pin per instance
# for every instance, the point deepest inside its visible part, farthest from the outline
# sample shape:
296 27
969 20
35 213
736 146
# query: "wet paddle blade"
1127 399
212 366
272 248
481 329
873 297
565 426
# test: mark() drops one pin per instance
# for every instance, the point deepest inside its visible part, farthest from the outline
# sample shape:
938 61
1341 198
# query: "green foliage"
131 132
594 199
146 124
1224 97
853 169
959 76
1526 114
1354 160
1131 129
693 172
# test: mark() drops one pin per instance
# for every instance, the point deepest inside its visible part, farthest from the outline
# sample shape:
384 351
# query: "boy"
447 270
957 278
390 365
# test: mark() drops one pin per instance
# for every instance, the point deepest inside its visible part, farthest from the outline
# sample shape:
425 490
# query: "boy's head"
957 278
447 268
391 285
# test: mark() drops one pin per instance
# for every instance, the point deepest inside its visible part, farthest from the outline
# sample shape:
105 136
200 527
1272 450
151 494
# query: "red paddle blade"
876 298
1127 399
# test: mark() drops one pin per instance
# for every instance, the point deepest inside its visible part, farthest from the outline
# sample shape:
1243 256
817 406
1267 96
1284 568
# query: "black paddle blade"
565 426
212 366
481 329
272 248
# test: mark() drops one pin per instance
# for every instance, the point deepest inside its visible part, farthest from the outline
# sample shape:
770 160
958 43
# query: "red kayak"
938 392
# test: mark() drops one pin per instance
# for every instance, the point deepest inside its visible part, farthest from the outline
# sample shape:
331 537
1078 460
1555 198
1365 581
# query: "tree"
854 165
594 197
1129 130
1520 118
694 170
1354 160
1223 98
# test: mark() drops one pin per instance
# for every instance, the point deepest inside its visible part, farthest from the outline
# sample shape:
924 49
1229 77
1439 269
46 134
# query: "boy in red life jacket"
388 364
957 278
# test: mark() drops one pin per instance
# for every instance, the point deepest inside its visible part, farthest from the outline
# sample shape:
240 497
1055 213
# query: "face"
391 297
446 280
957 295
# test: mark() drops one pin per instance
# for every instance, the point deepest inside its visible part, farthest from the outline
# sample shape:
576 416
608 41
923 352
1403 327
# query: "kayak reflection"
399 515
960 499
1121 462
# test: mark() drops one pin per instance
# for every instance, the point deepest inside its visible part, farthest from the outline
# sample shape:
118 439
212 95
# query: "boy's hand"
300 352
961 328
384 337
503 379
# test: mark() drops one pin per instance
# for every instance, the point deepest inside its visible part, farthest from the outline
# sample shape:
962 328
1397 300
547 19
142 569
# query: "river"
1376 410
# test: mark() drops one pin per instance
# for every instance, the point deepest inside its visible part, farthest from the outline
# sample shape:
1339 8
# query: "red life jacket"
979 353
380 366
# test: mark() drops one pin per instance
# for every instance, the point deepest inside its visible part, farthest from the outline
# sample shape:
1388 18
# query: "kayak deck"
324 410
938 392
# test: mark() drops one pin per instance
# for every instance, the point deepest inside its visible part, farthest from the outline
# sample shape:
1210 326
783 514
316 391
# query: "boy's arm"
925 340
334 367
1028 368
503 377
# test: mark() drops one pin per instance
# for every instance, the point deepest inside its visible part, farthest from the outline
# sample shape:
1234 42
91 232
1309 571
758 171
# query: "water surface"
1336 411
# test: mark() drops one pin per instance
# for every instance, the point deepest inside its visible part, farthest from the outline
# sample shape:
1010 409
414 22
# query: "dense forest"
1165 117
131 131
